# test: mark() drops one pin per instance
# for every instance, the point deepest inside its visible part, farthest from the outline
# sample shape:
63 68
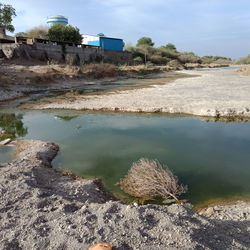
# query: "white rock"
5 142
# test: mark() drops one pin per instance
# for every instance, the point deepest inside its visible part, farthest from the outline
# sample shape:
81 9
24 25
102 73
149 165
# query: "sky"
205 27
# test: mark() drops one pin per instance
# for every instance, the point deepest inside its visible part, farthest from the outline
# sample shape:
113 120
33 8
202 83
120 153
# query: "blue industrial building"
103 42
57 19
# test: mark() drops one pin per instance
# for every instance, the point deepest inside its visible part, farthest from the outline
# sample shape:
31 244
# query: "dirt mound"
41 208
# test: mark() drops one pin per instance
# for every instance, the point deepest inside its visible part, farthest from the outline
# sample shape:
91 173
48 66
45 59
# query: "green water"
212 158
6 153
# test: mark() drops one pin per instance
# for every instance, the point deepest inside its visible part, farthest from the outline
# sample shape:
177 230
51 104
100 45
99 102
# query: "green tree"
61 33
170 46
145 41
7 12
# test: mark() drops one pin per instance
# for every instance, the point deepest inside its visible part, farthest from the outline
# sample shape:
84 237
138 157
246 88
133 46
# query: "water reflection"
12 126
211 158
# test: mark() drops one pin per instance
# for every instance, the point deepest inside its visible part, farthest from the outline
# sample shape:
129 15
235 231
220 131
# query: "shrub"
215 60
188 58
138 60
99 70
167 53
147 179
244 60
175 64
157 59
36 32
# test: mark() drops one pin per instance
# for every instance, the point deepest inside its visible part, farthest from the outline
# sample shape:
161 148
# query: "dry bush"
188 58
244 60
175 64
100 70
138 70
36 32
168 53
244 71
158 59
147 179
71 70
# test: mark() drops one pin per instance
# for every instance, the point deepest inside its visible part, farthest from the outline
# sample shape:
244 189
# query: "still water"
6 153
212 158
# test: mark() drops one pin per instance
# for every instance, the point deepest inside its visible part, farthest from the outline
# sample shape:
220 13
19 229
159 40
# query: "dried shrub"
244 71
158 59
147 179
188 58
70 70
175 64
244 60
100 70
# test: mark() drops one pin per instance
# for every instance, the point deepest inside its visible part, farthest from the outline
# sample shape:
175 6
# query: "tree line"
145 52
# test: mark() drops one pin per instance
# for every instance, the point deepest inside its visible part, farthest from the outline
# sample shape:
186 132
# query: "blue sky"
206 27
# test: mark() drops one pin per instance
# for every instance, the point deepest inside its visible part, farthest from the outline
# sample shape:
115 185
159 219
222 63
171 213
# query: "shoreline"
215 93
42 208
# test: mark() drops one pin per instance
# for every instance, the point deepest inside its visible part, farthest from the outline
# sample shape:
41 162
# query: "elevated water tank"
55 19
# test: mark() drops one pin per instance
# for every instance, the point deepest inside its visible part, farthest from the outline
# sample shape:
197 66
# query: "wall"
63 54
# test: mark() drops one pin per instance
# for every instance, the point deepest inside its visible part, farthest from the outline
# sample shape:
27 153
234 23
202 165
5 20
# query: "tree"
170 46
61 33
147 179
36 32
7 12
145 41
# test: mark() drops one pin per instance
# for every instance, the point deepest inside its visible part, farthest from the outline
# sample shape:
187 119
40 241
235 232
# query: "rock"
207 212
5 142
2 132
101 246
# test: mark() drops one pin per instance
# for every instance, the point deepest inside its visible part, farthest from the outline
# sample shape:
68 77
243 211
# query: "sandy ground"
216 92
44 209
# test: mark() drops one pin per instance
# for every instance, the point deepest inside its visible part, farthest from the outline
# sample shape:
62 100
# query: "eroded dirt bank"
217 92
44 209
22 80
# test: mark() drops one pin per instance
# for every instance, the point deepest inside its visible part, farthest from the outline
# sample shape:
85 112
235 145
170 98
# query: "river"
211 158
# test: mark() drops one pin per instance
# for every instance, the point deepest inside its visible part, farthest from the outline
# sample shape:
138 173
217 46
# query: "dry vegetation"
168 55
147 179
11 73
244 71
38 74
244 60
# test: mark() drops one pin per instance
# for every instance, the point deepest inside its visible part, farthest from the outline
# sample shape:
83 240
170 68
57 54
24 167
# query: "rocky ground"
44 209
24 78
216 92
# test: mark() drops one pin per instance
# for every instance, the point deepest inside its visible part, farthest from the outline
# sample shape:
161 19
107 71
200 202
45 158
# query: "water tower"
57 19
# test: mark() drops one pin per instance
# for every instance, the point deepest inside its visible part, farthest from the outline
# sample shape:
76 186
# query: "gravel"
42 208
216 93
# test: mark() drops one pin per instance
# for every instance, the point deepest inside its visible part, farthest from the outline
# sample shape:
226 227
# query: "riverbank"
23 79
216 92
44 209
